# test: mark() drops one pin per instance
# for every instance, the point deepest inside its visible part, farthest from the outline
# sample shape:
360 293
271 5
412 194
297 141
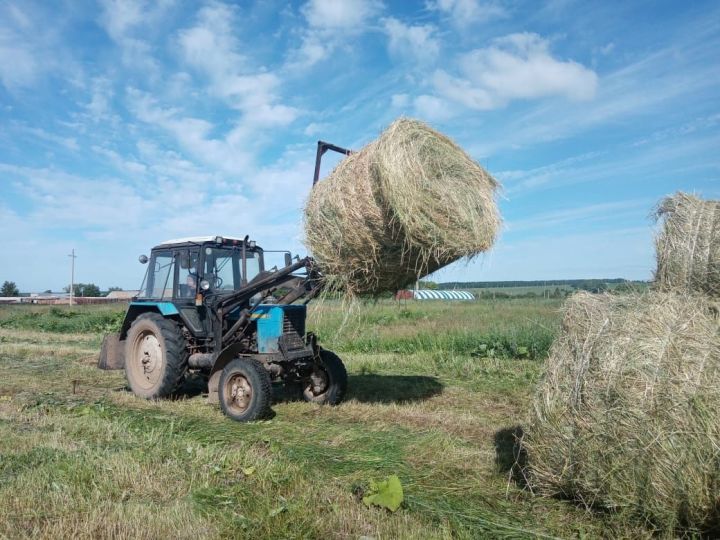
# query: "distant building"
122 295
428 294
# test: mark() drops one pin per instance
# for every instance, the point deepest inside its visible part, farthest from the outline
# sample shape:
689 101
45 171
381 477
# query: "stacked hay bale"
627 415
688 248
405 205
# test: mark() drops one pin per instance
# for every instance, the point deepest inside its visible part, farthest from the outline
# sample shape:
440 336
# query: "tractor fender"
135 309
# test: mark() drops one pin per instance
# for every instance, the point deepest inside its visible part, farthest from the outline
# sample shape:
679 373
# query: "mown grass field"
437 393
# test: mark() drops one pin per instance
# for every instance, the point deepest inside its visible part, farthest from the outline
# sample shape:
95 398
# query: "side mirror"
288 259
143 259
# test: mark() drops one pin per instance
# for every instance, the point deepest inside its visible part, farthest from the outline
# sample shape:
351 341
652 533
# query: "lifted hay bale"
627 415
405 205
688 246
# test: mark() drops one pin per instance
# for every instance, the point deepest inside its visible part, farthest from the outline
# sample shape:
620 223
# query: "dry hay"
627 416
404 206
688 246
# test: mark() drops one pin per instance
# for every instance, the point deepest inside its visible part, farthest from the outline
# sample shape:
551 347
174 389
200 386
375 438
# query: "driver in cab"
190 288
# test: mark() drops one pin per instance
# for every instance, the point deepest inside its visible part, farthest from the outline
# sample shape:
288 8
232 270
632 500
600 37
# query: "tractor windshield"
224 267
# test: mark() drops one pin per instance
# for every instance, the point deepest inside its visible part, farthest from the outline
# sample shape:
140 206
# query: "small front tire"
245 390
328 383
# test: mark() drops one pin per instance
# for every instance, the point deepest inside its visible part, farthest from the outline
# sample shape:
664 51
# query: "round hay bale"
627 416
405 205
688 246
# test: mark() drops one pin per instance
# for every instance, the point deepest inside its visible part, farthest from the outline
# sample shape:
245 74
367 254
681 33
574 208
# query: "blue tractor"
209 305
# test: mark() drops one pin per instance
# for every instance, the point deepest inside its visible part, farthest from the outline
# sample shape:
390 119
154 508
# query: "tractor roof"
195 240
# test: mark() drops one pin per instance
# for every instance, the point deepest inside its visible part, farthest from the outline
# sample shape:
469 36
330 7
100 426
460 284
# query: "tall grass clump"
63 319
688 245
626 416
405 205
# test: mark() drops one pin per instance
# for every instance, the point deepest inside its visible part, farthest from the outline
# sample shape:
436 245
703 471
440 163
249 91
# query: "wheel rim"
147 359
318 384
238 393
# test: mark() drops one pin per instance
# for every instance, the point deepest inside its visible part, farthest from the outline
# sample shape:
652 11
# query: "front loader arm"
307 286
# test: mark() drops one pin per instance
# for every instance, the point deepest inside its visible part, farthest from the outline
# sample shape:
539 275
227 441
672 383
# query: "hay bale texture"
688 246
627 416
405 205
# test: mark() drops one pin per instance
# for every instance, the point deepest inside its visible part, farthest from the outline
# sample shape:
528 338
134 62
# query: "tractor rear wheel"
155 356
245 390
328 383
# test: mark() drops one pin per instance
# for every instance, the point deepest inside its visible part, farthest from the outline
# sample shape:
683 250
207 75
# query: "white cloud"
68 142
607 48
18 66
312 50
330 23
229 154
433 108
683 72
340 15
65 200
314 128
463 91
400 100
582 215
517 66
125 20
120 16
415 42
466 12
211 48
210 45
28 48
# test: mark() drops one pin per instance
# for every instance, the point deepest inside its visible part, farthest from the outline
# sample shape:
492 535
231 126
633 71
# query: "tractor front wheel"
328 382
155 356
245 390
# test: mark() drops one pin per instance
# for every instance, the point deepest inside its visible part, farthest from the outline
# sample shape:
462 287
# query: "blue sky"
125 123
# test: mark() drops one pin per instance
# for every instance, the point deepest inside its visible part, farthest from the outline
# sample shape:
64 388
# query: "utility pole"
72 275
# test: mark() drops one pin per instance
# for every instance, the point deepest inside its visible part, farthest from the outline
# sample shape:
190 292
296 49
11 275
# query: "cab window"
187 282
160 276
222 269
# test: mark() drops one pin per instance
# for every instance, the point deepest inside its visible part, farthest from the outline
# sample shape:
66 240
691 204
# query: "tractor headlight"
204 284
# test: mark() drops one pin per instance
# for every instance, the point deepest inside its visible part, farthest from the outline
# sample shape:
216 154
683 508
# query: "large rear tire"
328 383
245 390
155 356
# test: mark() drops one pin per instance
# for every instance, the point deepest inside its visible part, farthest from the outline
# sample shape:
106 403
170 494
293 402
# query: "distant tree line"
84 289
9 289
593 285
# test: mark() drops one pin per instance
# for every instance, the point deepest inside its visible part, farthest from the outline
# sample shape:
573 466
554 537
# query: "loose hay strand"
404 206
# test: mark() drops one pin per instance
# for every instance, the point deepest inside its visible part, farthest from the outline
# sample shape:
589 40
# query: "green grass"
504 329
65 319
81 457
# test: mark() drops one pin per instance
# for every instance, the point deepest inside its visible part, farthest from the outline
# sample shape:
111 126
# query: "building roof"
122 294
427 294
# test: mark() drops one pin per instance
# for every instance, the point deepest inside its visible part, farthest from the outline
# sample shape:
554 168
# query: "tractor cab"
186 275
181 270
